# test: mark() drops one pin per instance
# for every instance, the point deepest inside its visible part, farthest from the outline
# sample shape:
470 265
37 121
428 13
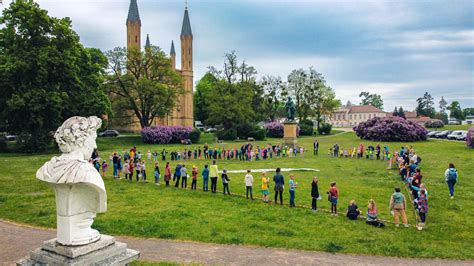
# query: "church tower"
173 56
134 25
184 115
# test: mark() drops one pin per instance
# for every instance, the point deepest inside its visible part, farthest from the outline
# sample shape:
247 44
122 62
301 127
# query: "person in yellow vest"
213 174
265 189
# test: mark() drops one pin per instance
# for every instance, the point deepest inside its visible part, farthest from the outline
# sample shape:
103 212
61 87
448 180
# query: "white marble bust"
79 188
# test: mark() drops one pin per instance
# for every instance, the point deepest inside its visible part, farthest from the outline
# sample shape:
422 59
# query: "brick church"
182 114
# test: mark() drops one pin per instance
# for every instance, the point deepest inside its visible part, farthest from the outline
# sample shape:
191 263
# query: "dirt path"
17 240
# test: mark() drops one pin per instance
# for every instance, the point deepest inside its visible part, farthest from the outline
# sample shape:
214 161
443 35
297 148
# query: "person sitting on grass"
372 215
265 190
398 206
353 211
225 182
333 196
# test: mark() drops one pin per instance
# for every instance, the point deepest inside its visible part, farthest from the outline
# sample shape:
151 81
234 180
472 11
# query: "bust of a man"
79 188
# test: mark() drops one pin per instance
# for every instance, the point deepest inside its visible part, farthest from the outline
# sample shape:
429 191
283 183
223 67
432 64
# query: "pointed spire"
147 44
186 29
172 52
133 15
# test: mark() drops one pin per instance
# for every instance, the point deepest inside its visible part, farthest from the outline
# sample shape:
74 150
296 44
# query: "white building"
352 116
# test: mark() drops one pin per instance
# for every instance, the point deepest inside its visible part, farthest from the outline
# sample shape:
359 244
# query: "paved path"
17 240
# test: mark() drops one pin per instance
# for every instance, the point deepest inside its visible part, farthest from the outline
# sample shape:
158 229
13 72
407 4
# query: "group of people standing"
407 160
247 152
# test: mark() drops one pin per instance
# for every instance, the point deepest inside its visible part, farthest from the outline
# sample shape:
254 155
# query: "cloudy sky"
398 49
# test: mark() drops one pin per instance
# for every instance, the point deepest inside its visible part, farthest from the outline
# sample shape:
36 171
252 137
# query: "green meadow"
150 211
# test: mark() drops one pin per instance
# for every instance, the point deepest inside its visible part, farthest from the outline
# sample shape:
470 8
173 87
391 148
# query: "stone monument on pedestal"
80 194
290 126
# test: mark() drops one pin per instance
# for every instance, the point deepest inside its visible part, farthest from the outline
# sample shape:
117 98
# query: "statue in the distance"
79 188
290 110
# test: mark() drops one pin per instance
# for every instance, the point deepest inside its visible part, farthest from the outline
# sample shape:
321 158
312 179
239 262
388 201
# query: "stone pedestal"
105 251
289 134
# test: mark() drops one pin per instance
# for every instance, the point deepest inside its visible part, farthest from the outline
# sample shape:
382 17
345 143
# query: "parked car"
211 130
463 136
432 134
11 137
453 121
109 133
443 134
455 134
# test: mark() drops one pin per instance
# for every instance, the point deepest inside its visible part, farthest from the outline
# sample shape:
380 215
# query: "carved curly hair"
72 134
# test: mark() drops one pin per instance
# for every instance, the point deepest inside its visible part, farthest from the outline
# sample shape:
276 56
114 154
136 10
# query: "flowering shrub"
390 129
276 130
470 138
165 134
434 123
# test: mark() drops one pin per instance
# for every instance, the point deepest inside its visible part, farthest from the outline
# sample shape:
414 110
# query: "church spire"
172 52
147 43
186 29
133 15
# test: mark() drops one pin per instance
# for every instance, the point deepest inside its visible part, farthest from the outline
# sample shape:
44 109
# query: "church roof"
186 29
147 44
133 15
172 52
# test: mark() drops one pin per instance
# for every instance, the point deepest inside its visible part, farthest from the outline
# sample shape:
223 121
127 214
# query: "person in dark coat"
314 193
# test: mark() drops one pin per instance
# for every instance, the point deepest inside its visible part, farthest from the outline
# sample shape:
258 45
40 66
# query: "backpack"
452 174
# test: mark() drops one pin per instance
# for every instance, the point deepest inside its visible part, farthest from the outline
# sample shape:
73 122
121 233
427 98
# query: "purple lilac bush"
276 130
434 123
165 134
390 129
470 138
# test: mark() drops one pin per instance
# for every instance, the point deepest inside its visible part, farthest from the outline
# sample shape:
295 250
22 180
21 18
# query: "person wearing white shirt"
248 184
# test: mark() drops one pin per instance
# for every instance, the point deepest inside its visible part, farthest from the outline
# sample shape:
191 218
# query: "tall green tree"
232 98
274 96
313 96
401 112
455 110
442 115
46 74
372 99
425 105
468 111
395 112
144 82
202 97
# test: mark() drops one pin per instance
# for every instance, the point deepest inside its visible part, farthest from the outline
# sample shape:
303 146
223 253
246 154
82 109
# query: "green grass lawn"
146 210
